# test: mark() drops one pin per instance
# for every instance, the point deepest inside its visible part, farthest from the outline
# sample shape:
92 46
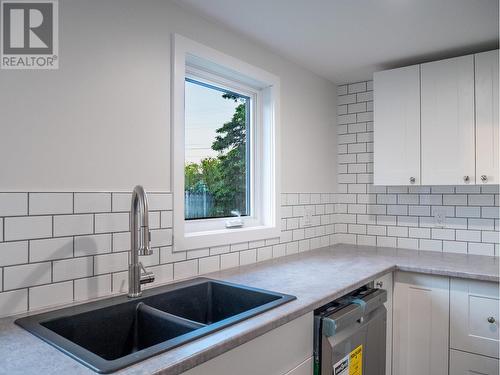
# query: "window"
217 176
225 149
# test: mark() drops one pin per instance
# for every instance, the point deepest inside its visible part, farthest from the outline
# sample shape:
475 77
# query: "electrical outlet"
307 218
439 217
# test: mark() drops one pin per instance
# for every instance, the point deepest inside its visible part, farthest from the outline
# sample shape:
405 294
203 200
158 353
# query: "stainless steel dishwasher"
350 334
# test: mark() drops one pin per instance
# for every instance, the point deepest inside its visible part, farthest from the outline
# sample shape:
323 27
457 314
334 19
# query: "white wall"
102 121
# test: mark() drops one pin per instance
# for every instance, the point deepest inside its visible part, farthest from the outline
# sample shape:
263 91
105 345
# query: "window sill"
212 238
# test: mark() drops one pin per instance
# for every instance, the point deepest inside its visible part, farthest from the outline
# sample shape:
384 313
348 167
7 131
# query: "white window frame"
194 60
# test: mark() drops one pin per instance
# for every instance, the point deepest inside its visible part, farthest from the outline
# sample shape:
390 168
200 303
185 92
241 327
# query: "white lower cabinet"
305 368
438 320
286 350
474 317
386 282
420 324
462 363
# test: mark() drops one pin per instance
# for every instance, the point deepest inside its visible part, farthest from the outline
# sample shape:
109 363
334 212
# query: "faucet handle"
147 277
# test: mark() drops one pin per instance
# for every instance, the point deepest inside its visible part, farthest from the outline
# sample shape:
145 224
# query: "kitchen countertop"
315 277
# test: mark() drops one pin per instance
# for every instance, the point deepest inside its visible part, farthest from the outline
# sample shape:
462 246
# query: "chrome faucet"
139 243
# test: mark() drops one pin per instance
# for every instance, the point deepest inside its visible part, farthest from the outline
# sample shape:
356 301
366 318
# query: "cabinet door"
397 126
305 368
277 352
474 316
420 324
462 363
448 147
385 282
487 135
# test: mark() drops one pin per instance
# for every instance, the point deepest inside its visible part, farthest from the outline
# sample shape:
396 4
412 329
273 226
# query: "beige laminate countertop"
314 277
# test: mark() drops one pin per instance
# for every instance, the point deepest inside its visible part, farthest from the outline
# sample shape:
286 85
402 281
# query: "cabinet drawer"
462 363
474 314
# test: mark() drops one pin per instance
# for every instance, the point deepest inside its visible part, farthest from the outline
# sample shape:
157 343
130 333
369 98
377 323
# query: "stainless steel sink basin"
114 333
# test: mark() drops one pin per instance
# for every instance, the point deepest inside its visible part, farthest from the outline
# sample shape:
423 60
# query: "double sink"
111 334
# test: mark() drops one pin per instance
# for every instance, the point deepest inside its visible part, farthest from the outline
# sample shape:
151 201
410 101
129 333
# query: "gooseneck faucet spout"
139 242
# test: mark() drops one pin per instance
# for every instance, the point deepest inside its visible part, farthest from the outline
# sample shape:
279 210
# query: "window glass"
216 169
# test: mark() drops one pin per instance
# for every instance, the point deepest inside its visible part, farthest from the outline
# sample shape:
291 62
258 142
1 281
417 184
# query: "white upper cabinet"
447 123
397 126
487 135
437 123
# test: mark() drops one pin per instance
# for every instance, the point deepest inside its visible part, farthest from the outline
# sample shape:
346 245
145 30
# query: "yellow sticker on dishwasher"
356 361
351 364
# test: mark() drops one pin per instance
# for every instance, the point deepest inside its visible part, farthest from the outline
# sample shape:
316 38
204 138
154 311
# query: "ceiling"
348 40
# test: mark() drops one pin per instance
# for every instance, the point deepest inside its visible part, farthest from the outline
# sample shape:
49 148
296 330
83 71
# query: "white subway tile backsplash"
87 245
51 295
431 199
160 201
69 225
443 234
397 231
13 302
481 200
13 253
74 268
13 204
346 99
468 211
467 189
92 244
121 241
92 202
419 210
356 87
455 199
490 237
230 260
166 219
121 202
407 221
113 262
250 256
186 269
468 235
22 276
387 241
119 281
265 253
430 245
193 254
50 203
161 237
92 287
407 243
113 222
28 227
481 248
455 247
164 273
209 264
490 212
51 248
481 224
